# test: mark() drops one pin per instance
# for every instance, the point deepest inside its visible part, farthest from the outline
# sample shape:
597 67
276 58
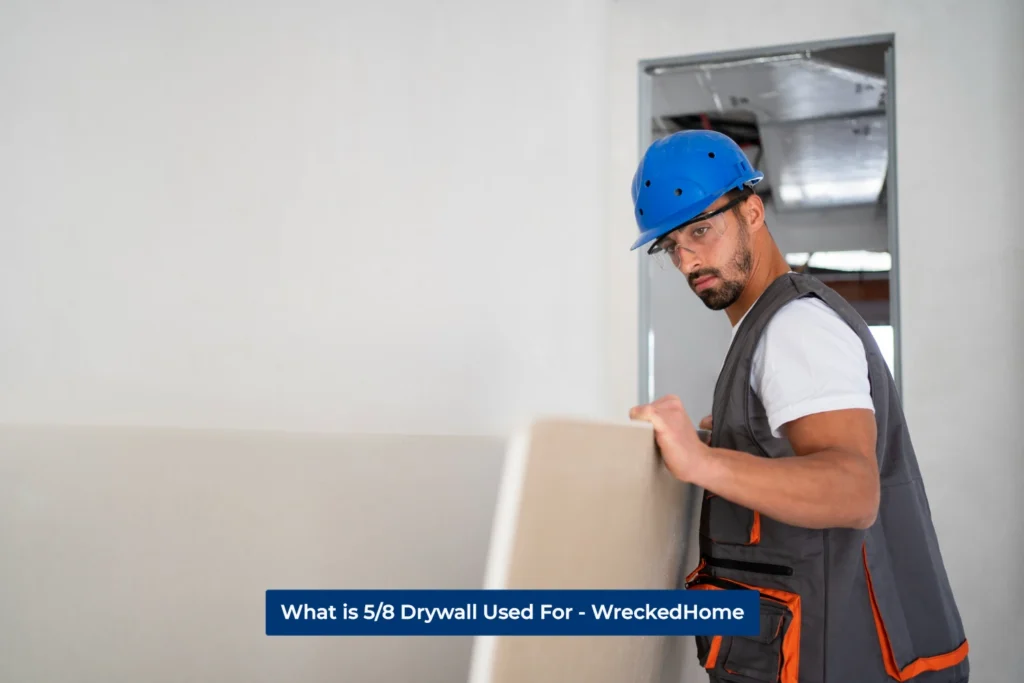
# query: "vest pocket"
725 522
772 656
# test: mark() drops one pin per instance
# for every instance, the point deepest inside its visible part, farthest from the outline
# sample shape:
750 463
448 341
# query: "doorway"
819 120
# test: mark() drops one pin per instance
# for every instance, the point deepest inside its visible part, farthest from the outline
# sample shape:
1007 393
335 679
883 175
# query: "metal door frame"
647 72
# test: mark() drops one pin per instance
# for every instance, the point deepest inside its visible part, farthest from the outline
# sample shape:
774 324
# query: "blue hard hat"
683 174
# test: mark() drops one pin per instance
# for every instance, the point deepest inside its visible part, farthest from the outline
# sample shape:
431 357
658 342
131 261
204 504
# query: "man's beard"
728 291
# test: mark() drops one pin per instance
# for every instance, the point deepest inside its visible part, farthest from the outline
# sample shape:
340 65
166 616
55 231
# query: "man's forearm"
820 490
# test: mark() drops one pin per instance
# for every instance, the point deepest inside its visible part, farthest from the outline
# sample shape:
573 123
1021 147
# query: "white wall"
959 107
345 216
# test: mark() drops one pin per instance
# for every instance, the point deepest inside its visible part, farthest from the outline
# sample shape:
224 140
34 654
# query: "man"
812 492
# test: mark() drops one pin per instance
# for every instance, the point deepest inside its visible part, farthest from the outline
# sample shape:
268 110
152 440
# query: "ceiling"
813 122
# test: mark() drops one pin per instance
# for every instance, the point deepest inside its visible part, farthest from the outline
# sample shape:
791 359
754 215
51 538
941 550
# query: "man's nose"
689 262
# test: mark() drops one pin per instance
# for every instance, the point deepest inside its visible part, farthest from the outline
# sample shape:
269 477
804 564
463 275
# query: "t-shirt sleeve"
809 361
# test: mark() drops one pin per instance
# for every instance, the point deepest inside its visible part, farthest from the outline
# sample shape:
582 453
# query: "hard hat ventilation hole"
641 212
711 154
647 184
678 192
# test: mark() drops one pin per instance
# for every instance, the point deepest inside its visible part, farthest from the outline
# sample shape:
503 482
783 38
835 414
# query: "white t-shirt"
808 361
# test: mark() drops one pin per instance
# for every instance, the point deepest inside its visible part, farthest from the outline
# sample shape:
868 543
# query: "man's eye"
699 231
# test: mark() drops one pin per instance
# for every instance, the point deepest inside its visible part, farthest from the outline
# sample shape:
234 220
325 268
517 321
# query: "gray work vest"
837 605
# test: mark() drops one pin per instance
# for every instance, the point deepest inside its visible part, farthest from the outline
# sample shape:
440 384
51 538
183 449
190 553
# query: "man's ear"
753 212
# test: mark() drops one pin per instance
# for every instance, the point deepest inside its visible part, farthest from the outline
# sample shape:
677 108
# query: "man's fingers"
641 412
665 409
669 400
706 422
647 413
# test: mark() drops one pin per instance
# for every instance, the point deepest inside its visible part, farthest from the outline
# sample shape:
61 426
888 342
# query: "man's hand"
682 449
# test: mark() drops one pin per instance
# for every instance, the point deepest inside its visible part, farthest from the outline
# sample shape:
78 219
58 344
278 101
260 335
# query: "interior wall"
381 217
962 301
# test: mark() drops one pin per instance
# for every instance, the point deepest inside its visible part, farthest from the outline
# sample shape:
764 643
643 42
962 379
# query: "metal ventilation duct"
822 127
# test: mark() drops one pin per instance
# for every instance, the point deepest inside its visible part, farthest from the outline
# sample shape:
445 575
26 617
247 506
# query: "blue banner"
512 612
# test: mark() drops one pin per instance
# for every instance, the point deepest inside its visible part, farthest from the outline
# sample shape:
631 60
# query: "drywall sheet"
143 555
583 505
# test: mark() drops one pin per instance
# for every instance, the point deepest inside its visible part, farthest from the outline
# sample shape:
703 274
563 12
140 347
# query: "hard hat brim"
683 216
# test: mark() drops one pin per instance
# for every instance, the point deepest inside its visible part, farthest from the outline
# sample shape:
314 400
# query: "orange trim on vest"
790 643
755 529
716 645
918 666
696 571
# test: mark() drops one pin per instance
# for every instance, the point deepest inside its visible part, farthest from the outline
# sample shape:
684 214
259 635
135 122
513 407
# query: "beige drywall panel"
130 556
584 505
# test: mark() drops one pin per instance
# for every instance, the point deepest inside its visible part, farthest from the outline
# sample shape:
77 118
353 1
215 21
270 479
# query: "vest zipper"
726 584
755 567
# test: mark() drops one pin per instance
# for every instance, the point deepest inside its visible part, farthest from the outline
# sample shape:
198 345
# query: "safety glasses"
698 233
